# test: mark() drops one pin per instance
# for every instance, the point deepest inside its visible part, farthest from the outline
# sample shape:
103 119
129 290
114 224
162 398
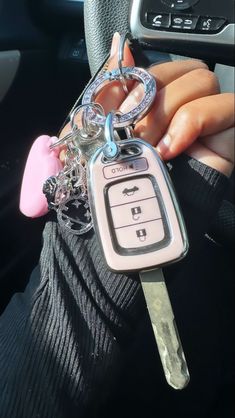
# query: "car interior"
49 49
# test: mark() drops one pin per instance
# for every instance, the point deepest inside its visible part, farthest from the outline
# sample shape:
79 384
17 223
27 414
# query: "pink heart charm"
42 162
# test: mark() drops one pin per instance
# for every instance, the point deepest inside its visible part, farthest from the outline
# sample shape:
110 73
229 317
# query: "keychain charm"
74 215
66 192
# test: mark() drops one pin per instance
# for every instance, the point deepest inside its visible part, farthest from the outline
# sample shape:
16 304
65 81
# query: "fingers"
216 151
164 74
222 144
198 118
167 72
191 86
113 95
186 107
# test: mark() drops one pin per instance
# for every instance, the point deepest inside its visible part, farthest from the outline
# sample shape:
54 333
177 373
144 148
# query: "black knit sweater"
65 341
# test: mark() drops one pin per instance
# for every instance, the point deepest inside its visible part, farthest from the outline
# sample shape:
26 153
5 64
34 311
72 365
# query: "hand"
188 115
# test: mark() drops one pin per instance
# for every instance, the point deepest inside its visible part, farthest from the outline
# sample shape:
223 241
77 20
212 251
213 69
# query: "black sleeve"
200 190
63 339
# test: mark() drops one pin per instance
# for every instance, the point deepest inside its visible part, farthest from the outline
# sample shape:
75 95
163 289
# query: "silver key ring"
131 117
92 131
85 131
123 39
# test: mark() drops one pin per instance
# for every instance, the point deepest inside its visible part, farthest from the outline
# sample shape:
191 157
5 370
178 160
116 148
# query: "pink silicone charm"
42 163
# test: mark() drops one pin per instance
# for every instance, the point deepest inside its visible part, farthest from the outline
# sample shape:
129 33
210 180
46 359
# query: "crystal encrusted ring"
123 119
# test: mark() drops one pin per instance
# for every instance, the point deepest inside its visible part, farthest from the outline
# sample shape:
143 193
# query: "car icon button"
184 22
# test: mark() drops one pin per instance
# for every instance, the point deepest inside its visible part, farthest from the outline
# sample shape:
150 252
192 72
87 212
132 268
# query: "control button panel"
137 220
185 23
135 213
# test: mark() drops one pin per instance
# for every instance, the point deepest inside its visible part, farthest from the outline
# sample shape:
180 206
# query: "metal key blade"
164 327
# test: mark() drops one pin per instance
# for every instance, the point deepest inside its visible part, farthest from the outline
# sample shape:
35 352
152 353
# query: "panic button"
141 235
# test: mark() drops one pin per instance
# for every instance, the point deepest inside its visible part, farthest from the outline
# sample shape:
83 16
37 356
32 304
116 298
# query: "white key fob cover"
135 212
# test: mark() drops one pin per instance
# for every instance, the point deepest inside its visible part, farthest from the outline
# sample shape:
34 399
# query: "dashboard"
206 27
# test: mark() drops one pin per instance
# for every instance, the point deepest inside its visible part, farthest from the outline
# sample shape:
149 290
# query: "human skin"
189 113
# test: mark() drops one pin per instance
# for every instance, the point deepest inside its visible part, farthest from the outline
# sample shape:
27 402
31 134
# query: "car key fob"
139 226
135 212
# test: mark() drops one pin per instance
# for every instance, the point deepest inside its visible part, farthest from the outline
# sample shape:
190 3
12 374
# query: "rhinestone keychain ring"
122 74
129 73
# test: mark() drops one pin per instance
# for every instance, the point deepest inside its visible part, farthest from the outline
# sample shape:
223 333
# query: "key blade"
165 329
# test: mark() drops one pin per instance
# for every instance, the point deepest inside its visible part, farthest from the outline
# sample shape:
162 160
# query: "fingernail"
115 44
133 99
164 145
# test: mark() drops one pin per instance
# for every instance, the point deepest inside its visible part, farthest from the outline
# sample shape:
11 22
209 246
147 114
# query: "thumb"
128 59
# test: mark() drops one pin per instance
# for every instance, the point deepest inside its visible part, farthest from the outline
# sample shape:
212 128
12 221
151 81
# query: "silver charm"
49 190
67 194
74 215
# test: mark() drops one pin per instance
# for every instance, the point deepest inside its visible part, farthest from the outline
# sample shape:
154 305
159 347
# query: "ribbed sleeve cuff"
198 186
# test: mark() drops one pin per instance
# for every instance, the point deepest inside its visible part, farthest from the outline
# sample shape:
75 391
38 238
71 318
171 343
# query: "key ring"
131 117
111 149
124 37
86 131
